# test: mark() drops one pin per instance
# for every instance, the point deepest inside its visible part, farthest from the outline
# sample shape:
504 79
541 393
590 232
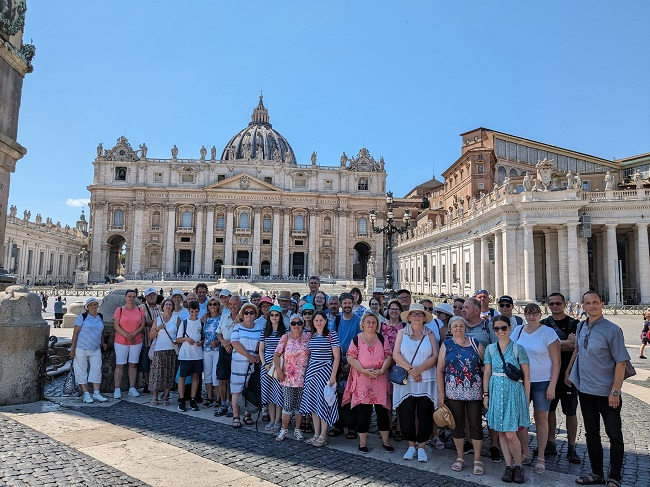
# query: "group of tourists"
326 362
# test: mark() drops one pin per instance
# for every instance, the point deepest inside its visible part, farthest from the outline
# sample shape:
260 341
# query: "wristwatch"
616 393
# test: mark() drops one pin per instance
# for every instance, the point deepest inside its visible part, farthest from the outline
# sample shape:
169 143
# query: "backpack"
250 399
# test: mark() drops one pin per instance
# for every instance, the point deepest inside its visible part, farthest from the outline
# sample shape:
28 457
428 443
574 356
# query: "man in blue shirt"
314 287
332 311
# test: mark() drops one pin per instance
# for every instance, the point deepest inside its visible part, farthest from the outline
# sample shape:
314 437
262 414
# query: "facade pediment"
244 182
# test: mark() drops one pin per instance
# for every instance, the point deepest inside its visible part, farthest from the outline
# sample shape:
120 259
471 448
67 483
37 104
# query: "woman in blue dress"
507 400
324 358
274 329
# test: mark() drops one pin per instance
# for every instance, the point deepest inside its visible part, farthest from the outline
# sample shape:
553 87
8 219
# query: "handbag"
511 371
273 372
70 384
152 348
399 375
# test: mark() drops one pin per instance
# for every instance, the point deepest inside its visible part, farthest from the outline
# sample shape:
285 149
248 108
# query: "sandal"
352 435
334 432
458 465
528 461
540 466
613 483
165 400
478 468
207 403
248 420
236 422
154 401
590 479
398 436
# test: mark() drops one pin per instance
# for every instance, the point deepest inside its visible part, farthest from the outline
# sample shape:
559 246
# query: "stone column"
275 241
198 239
286 230
230 235
208 267
575 294
643 261
563 261
551 256
529 263
103 258
612 265
257 229
509 265
341 239
170 208
313 240
499 271
583 263
137 231
485 261
98 229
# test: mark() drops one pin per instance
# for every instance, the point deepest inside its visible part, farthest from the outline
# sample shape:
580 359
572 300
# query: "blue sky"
403 79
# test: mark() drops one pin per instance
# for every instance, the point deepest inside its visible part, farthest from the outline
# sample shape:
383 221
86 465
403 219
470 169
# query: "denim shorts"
538 396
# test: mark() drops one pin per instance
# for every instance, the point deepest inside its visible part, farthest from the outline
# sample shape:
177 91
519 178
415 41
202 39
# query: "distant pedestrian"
645 333
58 312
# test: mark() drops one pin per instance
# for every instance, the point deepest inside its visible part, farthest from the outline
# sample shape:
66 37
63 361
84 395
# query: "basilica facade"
255 210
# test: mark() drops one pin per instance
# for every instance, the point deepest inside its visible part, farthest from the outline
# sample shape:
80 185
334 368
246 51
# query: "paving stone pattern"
29 458
288 463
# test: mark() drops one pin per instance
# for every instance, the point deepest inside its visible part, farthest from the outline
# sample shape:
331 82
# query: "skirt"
163 370
313 399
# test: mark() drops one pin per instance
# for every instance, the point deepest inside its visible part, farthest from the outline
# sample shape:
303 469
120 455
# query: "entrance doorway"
360 262
217 267
298 266
116 255
265 269
185 262
242 259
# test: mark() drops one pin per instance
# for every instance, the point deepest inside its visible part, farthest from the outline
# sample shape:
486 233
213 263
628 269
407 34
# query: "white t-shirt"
190 352
536 345
162 340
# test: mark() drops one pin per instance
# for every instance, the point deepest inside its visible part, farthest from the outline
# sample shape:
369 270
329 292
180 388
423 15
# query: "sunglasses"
500 328
428 309
458 307
213 304
275 315
505 305
556 304
248 313
296 323
308 312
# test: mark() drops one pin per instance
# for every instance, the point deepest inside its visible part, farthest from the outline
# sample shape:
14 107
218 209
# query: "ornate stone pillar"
509 267
551 259
563 261
575 294
208 267
529 263
612 265
499 271
341 240
313 240
98 238
257 232
170 208
643 261
485 262
275 241
286 229
137 231
230 235
198 239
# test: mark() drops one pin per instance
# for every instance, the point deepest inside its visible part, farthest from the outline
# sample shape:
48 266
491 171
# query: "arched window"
244 220
266 223
501 174
362 226
299 223
327 226
155 219
186 219
513 173
118 218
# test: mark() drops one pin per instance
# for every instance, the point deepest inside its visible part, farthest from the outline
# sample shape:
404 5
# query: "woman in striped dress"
271 389
244 340
324 359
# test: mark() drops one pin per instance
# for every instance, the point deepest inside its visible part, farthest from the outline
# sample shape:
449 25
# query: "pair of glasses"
248 313
296 323
505 305
307 312
213 304
417 314
274 315
556 304
500 328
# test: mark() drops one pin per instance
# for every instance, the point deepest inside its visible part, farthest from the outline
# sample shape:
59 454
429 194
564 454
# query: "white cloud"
77 202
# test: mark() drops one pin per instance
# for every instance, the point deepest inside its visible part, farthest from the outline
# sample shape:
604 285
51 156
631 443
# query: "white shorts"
210 359
127 353
87 366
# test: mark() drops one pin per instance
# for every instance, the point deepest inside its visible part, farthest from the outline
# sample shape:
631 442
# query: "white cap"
150 290
225 292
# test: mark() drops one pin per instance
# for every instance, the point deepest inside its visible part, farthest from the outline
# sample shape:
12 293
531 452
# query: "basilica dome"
259 142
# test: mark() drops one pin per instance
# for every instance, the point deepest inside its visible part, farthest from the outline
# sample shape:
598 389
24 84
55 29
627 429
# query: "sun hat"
444 308
308 306
443 417
285 295
266 299
244 307
90 301
416 307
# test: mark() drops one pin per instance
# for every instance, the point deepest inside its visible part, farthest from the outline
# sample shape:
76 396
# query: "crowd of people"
327 362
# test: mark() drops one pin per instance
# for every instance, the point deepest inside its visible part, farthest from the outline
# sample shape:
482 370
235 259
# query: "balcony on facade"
184 230
298 232
242 231
117 228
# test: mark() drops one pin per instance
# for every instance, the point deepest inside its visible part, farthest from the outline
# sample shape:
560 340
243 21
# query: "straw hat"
443 417
416 307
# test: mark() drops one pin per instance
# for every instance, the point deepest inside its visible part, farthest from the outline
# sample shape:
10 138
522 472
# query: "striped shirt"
320 347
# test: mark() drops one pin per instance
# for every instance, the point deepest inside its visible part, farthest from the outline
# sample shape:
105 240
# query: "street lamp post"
389 229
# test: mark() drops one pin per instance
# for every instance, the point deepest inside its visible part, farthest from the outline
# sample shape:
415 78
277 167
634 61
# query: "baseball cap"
178 292
225 292
150 290
505 299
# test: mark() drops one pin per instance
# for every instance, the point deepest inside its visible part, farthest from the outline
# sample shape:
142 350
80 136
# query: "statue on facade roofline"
569 180
13 210
144 149
203 152
438 220
344 159
313 158
174 152
609 182
577 182
213 153
100 150
507 185
528 184
38 219
638 180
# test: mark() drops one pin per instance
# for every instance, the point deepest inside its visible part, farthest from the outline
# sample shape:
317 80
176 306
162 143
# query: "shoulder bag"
399 375
511 371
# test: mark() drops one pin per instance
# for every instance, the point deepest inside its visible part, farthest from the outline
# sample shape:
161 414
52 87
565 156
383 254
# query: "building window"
186 239
425 268
327 225
328 184
467 273
481 185
266 241
443 278
30 258
454 272
244 220
155 219
419 274
187 178
300 183
490 250
118 218
60 264
362 226
186 219
41 258
299 223
501 174
268 179
513 173
299 242
219 240
266 224
433 273
157 177
362 185
221 222
221 177
120 174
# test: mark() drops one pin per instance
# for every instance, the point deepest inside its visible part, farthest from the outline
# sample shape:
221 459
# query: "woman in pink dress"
370 358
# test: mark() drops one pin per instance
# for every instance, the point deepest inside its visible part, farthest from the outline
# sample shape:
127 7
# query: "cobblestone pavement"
29 458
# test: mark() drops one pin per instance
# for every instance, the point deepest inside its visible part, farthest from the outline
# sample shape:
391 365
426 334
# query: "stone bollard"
23 333
74 310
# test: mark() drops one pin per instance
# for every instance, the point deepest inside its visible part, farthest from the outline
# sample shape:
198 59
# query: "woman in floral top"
460 383
370 358
393 324
294 350
210 322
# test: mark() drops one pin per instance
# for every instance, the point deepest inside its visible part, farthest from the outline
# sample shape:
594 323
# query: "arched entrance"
265 268
360 261
217 267
116 254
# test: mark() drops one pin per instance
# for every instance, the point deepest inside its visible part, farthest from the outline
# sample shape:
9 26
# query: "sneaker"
221 411
468 448
518 475
133 392
410 453
181 406
229 412
297 434
436 443
422 455
97 396
86 398
117 394
193 405
572 455
495 456
507 475
281 435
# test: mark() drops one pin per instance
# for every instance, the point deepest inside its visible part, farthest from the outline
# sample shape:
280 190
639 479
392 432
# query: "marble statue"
577 182
507 185
144 149
231 154
27 215
371 266
13 210
259 154
638 180
344 159
438 220
213 153
538 185
313 158
247 152
100 150
276 155
83 260
569 180
38 219
381 163
473 205
609 182
528 184
288 157
174 152
203 152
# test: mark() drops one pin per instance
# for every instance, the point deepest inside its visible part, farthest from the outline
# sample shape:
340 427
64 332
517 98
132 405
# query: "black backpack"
250 399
